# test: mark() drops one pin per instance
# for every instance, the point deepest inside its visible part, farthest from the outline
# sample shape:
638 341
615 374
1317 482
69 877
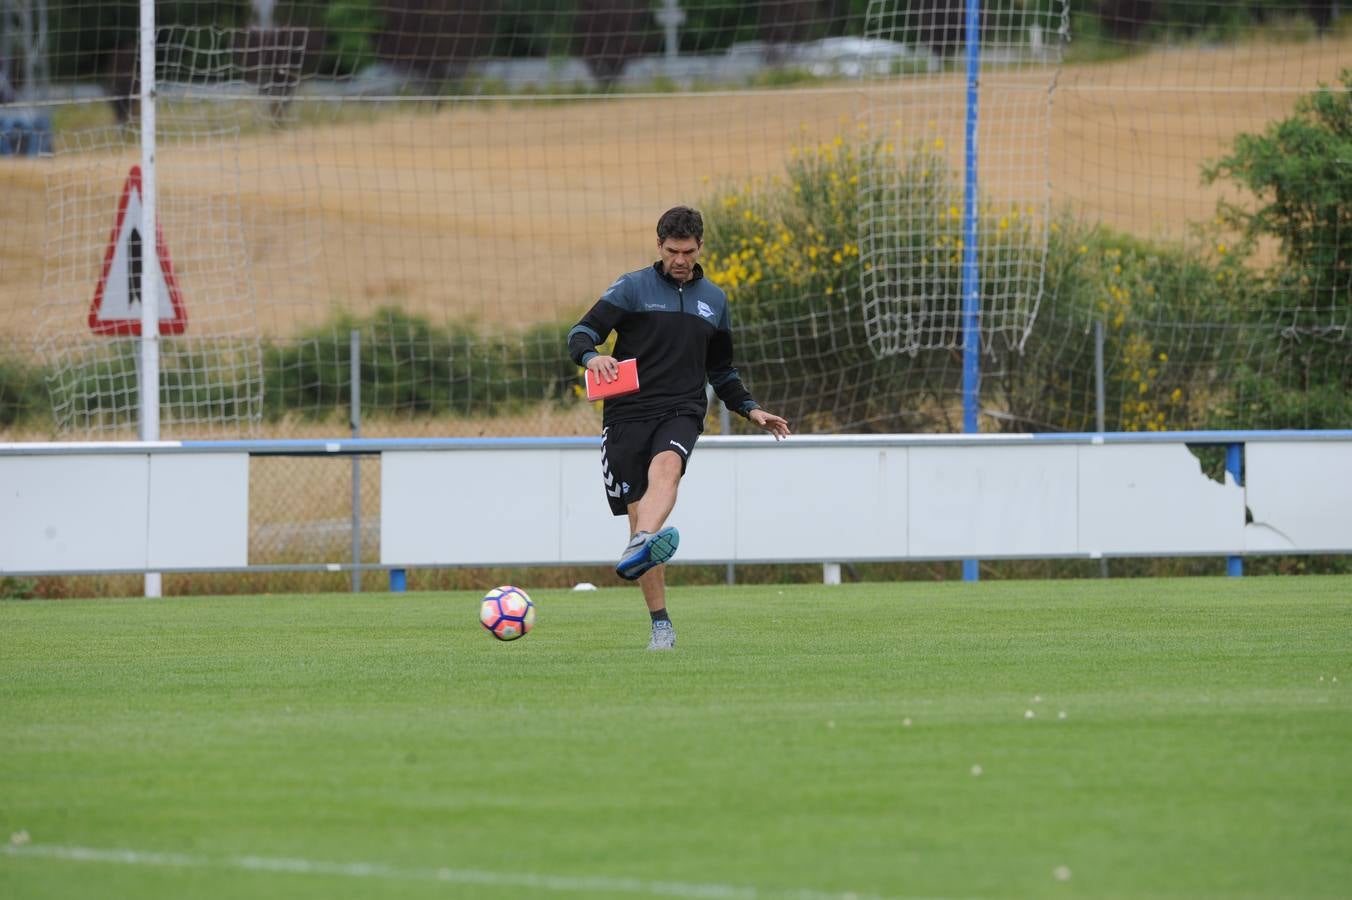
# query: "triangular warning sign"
117 300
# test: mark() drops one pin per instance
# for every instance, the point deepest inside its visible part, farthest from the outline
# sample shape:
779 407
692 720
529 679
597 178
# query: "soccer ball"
507 613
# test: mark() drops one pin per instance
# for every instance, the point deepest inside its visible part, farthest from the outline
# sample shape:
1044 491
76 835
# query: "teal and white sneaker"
646 550
664 636
635 552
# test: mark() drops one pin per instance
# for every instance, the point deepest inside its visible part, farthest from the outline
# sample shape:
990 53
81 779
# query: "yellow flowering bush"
787 253
790 253
1169 314
794 255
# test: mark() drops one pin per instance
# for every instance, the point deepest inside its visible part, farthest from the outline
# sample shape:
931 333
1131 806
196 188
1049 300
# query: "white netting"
211 371
913 216
458 182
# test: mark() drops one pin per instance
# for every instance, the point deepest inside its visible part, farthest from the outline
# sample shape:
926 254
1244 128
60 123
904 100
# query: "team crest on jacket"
704 310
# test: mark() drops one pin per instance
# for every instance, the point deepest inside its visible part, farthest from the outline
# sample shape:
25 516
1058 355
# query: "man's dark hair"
680 222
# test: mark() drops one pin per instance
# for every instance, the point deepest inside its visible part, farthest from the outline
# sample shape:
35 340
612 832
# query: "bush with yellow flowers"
1170 314
789 253
795 255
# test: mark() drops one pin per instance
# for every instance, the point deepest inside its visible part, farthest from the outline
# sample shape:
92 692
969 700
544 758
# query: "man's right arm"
596 325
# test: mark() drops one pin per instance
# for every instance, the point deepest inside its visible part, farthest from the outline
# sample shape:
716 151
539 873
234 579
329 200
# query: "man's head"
680 234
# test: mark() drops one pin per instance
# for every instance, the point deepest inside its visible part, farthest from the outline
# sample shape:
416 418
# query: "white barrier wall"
167 506
139 510
833 499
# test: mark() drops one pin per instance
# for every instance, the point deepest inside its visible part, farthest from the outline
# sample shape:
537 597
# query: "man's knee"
668 463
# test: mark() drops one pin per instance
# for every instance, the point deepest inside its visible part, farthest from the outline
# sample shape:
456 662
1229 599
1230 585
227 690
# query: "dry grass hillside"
511 212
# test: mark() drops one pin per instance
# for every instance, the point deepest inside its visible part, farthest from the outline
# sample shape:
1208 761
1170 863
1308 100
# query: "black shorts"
628 447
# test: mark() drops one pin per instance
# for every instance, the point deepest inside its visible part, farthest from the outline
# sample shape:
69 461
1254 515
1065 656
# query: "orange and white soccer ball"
507 612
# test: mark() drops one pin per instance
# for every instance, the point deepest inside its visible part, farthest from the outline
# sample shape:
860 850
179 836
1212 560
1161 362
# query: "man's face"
678 257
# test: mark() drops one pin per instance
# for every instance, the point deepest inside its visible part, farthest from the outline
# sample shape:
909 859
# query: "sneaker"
635 552
646 550
664 636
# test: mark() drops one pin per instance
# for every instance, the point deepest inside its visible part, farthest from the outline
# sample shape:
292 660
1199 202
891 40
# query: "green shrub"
18 588
98 388
351 28
411 367
200 380
788 254
1170 315
1299 172
1189 337
23 392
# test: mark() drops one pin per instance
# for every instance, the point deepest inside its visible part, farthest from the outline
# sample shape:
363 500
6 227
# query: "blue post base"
1234 464
971 570
398 581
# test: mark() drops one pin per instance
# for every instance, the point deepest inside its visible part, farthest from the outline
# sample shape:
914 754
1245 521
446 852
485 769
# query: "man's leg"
652 509
650 513
651 544
654 581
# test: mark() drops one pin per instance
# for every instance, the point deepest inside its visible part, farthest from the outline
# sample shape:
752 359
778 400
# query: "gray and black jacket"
681 335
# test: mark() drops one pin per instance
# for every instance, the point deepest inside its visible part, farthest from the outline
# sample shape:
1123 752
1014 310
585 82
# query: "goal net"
211 363
456 183
914 222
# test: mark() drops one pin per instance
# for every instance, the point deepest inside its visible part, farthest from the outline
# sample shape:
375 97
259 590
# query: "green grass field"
1133 738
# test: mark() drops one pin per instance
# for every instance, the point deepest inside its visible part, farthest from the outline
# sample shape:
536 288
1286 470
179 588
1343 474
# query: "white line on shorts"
480 877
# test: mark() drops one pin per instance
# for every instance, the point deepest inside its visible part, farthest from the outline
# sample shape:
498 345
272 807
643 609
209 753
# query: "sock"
660 615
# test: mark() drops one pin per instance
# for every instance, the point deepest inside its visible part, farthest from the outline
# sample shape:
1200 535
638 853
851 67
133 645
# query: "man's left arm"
727 384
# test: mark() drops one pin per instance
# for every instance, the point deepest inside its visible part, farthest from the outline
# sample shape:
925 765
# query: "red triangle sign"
117 300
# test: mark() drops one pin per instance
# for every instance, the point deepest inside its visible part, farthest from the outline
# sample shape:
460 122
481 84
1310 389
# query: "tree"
350 28
435 39
608 33
791 21
1126 19
1301 171
942 25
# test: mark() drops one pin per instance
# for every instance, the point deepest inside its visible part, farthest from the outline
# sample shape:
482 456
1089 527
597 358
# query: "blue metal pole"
971 281
1234 464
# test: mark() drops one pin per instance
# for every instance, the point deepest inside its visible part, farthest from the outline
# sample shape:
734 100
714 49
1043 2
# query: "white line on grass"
576 883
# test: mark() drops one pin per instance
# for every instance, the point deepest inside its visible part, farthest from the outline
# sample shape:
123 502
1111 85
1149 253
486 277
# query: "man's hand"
770 422
605 367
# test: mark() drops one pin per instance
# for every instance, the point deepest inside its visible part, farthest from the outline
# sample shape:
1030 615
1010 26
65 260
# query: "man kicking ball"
675 323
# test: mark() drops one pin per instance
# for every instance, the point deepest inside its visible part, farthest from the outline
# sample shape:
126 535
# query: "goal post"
148 374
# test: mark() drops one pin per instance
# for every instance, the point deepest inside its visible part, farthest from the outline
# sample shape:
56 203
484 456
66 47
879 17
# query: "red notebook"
625 383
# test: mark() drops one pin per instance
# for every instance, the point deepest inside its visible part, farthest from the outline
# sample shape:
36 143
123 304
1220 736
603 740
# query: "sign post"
137 293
